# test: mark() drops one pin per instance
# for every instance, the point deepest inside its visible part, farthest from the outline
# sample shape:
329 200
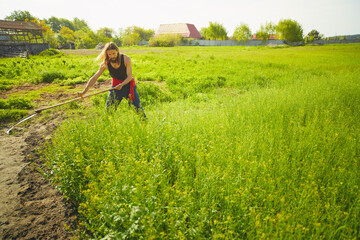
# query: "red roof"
19 25
184 29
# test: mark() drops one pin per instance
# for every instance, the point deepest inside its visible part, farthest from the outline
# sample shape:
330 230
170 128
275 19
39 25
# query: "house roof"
30 26
185 29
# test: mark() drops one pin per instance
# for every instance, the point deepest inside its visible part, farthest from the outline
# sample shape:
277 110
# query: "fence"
231 43
335 41
196 42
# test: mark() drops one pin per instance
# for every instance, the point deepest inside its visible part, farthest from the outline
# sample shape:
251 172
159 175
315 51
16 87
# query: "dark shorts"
115 96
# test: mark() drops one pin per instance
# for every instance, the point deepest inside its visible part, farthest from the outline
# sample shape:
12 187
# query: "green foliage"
242 33
314 35
14 108
18 15
57 23
263 147
50 76
66 35
133 35
51 52
85 39
165 40
4 86
290 30
7 115
262 33
54 23
265 31
15 103
105 35
215 31
37 69
153 93
80 24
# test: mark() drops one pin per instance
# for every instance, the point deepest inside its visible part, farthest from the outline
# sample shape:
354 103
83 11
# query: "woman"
119 67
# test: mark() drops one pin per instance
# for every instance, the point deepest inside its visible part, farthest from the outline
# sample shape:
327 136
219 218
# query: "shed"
17 31
21 38
186 30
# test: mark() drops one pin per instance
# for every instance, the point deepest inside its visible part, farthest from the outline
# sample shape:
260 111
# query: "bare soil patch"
30 207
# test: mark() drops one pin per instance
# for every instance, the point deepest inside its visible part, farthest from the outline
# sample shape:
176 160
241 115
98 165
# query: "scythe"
57 105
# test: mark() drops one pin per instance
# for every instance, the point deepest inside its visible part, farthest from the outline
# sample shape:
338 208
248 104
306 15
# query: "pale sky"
329 17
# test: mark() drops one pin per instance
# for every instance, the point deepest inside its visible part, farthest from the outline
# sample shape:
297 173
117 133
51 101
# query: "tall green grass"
279 161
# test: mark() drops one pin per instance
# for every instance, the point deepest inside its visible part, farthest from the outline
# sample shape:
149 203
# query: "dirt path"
30 208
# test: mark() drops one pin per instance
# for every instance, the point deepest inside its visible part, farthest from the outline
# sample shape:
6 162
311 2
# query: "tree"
145 35
79 24
106 32
290 30
20 16
215 31
54 23
133 35
85 39
67 23
57 23
315 35
67 33
104 35
270 28
266 31
49 35
262 33
242 32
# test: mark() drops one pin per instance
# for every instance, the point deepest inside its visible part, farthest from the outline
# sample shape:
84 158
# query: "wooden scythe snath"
57 105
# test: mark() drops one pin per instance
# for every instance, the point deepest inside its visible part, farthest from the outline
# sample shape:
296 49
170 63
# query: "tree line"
60 32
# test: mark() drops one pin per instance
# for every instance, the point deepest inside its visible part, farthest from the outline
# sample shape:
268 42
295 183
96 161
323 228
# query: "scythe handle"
72 100
57 105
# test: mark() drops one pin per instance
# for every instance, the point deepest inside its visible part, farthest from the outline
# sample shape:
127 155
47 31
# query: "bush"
51 52
166 40
50 76
12 115
15 103
151 93
5 87
70 81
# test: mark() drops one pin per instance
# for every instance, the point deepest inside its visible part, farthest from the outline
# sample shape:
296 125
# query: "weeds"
278 161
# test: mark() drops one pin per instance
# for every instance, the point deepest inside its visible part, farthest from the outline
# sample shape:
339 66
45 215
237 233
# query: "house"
186 30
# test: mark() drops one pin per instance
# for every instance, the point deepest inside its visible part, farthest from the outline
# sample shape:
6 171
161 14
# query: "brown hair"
104 57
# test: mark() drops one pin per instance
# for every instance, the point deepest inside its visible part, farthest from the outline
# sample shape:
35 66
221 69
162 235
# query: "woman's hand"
118 87
80 94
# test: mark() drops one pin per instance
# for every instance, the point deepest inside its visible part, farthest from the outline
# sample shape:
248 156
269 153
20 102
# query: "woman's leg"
113 98
137 102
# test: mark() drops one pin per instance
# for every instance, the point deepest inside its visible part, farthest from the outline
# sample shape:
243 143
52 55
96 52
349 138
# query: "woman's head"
110 53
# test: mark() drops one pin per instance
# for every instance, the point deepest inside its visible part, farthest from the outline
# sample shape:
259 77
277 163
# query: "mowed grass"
256 143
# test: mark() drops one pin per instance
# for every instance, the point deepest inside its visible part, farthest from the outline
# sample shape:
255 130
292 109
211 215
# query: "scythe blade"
22 120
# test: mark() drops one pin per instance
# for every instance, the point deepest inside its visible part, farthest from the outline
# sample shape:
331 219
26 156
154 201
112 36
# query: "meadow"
240 143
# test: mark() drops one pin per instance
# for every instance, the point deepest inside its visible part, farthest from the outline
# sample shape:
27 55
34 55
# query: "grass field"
240 143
